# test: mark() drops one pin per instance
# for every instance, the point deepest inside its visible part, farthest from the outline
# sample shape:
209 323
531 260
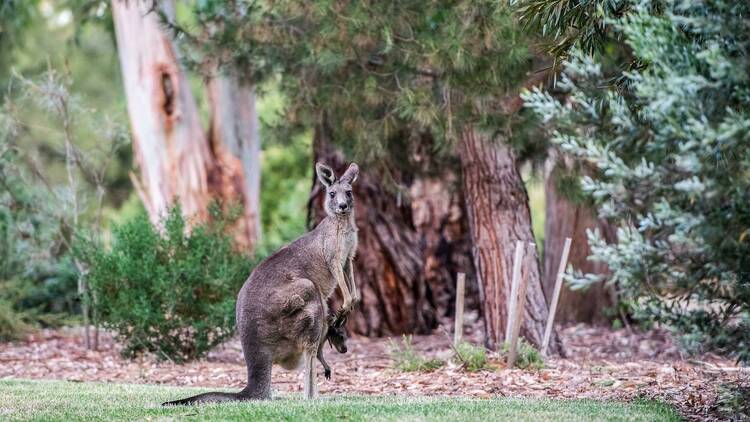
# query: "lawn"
59 400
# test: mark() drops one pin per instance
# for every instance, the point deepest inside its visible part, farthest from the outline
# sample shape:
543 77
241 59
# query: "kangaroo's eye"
332 194
349 194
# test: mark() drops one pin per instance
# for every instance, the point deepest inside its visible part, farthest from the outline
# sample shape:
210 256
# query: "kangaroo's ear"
350 175
325 174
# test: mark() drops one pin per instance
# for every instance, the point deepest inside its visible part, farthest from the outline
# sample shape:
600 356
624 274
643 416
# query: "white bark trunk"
235 139
169 143
175 157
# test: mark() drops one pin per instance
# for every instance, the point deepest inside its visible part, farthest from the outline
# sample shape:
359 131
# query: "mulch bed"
600 364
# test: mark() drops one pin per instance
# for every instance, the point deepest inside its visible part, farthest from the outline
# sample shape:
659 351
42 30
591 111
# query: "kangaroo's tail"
212 397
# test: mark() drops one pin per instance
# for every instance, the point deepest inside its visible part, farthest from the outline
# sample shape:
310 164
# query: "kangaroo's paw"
339 319
327 374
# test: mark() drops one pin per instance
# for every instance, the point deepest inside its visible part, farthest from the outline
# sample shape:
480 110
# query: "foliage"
13 323
473 358
406 359
527 357
165 290
287 174
671 154
390 80
733 401
37 280
76 401
571 24
40 214
15 18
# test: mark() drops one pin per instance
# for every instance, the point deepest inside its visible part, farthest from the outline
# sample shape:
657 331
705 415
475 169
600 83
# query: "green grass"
67 401
407 359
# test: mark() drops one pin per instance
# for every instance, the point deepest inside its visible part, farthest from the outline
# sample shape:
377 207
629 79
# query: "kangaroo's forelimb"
322 360
349 274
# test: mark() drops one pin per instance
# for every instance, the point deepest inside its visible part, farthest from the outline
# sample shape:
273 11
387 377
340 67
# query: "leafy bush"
527 357
13 323
670 151
406 359
473 358
170 291
733 401
37 277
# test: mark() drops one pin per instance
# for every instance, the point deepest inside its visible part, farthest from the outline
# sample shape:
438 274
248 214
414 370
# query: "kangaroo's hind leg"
259 361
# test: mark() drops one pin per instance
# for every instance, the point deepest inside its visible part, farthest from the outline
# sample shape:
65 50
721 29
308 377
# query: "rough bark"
389 264
235 140
175 157
567 219
498 213
440 220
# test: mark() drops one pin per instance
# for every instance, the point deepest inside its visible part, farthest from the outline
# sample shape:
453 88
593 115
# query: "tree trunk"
235 141
175 157
389 265
567 219
498 209
440 220
168 141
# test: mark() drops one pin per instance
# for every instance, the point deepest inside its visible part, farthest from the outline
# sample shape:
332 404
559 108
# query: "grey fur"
282 309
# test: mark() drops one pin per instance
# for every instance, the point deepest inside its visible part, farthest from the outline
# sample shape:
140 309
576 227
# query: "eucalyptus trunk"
566 218
498 212
176 159
235 141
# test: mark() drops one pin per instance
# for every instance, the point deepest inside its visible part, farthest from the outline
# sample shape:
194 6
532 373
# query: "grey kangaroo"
282 309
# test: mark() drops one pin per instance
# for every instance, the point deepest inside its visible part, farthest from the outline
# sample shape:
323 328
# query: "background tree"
386 72
177 159
569 214
670 149
563 26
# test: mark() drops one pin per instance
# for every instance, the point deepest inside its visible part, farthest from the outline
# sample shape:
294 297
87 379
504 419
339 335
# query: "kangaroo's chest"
342 247
349 246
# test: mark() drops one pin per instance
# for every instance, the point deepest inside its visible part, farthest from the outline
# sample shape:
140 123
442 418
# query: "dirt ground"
600 363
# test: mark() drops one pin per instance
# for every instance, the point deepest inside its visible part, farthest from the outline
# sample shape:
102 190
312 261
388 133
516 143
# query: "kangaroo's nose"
343 206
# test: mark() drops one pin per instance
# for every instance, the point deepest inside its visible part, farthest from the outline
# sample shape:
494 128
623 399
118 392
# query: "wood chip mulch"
601 364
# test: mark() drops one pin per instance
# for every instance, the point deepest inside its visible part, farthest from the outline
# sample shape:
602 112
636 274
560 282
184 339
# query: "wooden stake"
555 296
520 308
458 329
512 300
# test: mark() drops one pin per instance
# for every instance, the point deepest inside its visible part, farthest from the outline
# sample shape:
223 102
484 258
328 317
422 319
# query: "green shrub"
669 151
733 401
473 358
38 281
13 324
406 359
169 292
527 357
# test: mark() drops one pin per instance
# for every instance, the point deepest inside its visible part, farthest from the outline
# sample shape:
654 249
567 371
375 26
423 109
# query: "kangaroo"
282 309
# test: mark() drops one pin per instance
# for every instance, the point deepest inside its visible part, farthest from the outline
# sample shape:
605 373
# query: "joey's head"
337 338
339 197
